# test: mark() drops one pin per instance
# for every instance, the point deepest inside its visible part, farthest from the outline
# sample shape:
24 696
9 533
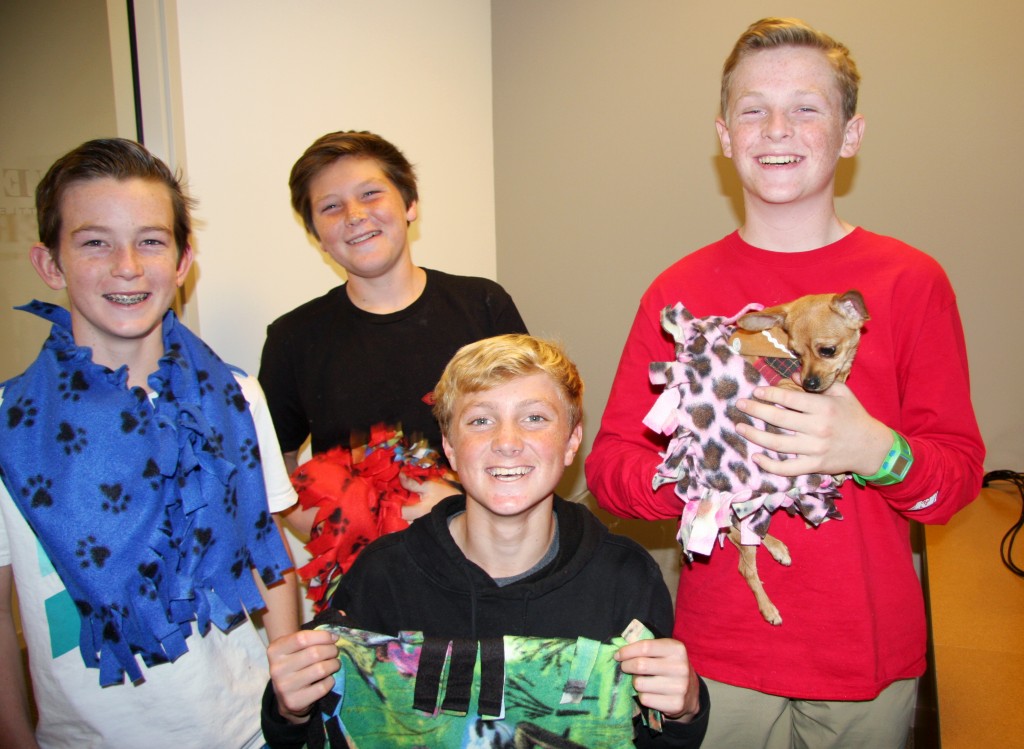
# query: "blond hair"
491 362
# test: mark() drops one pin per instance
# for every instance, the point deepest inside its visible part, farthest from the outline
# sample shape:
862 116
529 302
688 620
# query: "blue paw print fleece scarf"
152 512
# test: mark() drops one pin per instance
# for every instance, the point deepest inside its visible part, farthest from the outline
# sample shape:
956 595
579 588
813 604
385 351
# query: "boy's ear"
575 440
723 137
47 267
413 211
853 133
449 452
184 264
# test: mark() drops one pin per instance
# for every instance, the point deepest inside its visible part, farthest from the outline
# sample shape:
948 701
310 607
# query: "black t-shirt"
332 370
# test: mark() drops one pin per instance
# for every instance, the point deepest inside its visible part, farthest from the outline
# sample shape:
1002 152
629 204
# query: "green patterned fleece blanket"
411 692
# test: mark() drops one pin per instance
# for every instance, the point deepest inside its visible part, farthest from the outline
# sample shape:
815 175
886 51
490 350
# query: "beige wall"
608 166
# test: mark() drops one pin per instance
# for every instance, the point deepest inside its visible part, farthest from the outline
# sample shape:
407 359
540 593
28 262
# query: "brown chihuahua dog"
822 331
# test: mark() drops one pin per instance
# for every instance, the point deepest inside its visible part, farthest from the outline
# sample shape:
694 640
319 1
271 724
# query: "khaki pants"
747 719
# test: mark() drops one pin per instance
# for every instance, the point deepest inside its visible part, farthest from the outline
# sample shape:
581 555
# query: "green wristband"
895 466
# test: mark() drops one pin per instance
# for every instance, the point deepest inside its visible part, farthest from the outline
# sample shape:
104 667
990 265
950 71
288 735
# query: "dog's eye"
827 352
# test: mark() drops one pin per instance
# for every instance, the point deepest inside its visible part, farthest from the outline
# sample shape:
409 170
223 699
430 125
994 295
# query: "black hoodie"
419 579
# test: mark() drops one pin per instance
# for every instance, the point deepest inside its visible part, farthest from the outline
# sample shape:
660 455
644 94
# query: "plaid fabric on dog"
775 369
410 692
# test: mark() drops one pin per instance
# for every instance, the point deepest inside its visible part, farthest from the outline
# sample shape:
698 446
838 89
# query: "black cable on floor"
1006 545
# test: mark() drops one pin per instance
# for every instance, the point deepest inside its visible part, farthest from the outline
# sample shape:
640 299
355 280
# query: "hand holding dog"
662 677
828 433
302 665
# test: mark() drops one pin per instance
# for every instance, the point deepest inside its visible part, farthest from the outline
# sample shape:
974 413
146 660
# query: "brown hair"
493 361
115 158
327 149
770 33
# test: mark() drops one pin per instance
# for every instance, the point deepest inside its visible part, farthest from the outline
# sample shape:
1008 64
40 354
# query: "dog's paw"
771 614
778 550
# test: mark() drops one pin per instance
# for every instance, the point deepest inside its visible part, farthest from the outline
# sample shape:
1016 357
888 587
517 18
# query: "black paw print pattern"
231 501
264 524
251 453
72 385
241 564
337 520
173 540
152 474
22 413
177 358
205 386
167 395
151 572
62 356
90 553
202 540
42 309
135 422
71 438
360 543
233 396
215 444
38 488
111 633
116 500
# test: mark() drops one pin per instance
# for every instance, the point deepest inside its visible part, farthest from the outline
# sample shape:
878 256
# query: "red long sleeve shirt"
852 608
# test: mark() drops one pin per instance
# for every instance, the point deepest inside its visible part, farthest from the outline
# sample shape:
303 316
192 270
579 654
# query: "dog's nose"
812 384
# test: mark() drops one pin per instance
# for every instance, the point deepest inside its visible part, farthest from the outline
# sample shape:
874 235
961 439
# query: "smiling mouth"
778 160
509 474
127 299
363 237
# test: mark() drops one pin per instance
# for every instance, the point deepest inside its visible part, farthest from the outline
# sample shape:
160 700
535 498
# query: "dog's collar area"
771 342
778 344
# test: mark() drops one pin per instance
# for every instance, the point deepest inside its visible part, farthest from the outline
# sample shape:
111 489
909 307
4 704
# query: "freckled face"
511 445
784 128
361 217
118 261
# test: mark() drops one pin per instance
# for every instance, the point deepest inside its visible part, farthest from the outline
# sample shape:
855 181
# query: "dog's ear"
851 306
763 319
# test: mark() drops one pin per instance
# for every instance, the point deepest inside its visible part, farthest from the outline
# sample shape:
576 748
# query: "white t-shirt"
209 697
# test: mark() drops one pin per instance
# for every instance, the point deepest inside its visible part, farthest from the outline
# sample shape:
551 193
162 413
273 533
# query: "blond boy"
508 557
